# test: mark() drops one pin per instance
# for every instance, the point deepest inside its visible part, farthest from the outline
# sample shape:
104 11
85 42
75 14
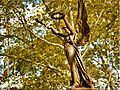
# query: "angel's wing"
82 20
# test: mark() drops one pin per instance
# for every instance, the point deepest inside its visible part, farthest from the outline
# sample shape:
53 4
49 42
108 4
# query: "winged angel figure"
80 77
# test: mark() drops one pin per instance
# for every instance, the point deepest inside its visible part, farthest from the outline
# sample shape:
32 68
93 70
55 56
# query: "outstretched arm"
53 30
69 27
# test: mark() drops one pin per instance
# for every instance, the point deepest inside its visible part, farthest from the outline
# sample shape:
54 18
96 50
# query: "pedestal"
83 89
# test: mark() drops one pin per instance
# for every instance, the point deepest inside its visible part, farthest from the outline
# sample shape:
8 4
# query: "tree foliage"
37 55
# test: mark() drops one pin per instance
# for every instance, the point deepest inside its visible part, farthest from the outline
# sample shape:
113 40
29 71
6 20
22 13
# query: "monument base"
83 89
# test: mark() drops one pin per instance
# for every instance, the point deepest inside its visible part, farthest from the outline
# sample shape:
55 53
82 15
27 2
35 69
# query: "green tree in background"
38 56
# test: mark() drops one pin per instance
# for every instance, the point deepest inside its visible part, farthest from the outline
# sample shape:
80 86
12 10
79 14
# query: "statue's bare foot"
75 85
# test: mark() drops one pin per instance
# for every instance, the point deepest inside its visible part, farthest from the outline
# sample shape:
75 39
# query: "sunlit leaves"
31 55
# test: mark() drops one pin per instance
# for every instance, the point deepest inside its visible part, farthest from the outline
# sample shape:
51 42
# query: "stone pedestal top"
83 89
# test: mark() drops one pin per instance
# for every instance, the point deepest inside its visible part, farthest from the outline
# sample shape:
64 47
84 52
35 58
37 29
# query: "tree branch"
11 36
55 44
98 18
36 63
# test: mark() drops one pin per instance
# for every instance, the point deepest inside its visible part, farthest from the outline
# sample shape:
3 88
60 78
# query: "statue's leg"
70 54
74 71
85 79
74 74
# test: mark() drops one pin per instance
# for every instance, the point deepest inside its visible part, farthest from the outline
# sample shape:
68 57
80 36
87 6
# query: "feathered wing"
82 21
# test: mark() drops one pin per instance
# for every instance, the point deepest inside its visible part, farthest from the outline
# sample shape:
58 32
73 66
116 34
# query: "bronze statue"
80 78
